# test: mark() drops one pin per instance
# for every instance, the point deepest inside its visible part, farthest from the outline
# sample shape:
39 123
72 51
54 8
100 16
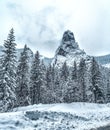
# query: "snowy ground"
74 116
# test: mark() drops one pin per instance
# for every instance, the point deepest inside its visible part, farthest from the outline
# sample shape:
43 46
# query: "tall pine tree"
82 76
36 80
72 88
43 89
22 90
8 73
96 81
49 85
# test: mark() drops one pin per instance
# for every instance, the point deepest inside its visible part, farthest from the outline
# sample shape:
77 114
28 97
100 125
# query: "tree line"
22 84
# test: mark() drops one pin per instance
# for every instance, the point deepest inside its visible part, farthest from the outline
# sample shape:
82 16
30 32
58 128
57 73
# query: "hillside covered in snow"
74 116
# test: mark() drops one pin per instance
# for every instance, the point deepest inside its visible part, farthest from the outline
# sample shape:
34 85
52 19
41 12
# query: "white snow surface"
73 116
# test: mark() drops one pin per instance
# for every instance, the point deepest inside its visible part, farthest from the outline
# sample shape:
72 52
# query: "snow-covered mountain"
74 116
104 60
69 51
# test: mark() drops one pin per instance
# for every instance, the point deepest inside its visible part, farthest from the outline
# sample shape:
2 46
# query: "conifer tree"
22 90
82 76
58 90
69 93
96 82
72 89
8 73
36 80
50 84
43 89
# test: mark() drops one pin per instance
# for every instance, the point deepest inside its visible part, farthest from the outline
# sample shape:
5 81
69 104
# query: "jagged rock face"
69 40
68 36
67 44
68 51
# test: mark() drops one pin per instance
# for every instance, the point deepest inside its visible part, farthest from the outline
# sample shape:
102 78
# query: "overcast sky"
40 23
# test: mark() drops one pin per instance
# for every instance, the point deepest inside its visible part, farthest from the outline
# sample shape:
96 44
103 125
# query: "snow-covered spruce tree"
58 90
69 93
35 80
58 86
72 93
8 74
22 90
74 78
43 89
49 85
52 84
96 81
64 74
81 78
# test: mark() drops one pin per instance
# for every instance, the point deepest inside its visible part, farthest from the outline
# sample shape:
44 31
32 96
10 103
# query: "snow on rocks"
69 51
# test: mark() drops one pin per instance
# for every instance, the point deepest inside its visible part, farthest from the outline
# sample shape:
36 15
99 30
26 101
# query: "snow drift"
74 116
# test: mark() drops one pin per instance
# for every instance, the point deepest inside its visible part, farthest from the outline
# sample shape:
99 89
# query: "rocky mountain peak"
69 40
69 51
68 36
68 44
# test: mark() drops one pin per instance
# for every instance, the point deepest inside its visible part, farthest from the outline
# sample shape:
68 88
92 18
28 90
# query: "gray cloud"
41 24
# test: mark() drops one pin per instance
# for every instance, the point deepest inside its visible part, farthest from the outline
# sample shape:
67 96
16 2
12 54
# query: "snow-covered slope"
69 51
104 60
74 116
